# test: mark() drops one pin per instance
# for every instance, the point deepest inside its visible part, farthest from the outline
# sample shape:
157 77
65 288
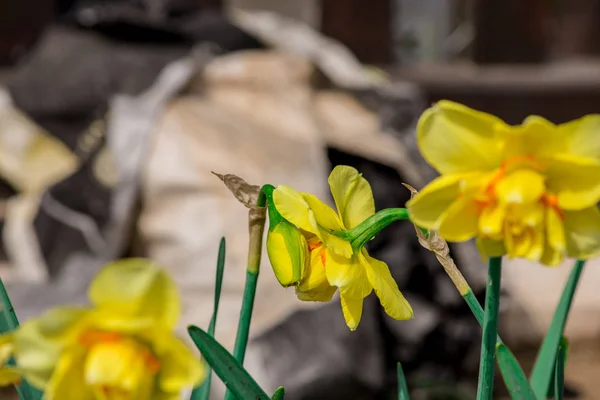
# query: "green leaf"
559 369
564 343
231 372
514 378
485 384
543 369
509 366
8 323
278 395
402 387
202 392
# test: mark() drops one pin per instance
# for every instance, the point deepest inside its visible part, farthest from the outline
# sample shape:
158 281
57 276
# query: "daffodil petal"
166 396
582 136
536 136
322 293
352 194
491 220
292 206
426 208
454 138
38 343
551 257
490 248
137 287
520 187
179 367
348 274
352 309
68 381
582 229
324 215
9 376
537 245
555 231
460 222
386 288
314 275
574 180
314 285
6 347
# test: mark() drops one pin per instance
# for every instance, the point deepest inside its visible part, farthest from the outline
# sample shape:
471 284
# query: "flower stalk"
257 220
366 230
485 385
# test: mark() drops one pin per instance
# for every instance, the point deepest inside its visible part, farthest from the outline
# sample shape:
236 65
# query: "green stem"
257 227
370 227
543 369
241 340
485 386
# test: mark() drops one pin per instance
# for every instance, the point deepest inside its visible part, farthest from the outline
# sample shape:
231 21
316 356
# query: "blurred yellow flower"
8 374
332 262
121 349
529 191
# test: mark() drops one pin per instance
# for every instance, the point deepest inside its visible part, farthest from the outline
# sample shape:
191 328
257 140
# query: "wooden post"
364 26
578 29
511 31
211 4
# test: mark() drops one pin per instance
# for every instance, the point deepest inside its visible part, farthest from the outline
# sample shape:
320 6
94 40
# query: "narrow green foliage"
543 369
203 392
513 375
485 385
559 370
239 383
509 366
8 323
279 393
239 350
402 386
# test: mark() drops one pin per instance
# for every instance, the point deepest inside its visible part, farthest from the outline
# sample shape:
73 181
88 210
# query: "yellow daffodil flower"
529 191
8 374
333 262
123 348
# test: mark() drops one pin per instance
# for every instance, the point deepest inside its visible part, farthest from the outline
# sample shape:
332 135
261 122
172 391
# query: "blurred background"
113 113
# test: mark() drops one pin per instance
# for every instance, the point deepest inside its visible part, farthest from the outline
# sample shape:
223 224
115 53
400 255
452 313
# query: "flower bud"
286 246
